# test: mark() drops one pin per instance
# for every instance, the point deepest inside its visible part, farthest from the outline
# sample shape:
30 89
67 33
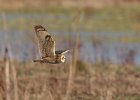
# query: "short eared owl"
47 47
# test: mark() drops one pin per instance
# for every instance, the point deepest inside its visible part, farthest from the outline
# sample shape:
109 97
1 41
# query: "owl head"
60 55
62 58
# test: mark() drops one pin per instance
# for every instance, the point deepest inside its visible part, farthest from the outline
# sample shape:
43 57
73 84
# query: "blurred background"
104 38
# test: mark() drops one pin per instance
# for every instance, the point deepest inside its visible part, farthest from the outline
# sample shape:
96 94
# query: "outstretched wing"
61 51
45 41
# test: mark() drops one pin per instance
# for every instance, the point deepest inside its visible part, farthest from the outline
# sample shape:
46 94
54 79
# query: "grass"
96 81
107 19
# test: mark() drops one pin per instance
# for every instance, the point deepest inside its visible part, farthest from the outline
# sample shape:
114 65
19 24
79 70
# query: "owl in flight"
47 47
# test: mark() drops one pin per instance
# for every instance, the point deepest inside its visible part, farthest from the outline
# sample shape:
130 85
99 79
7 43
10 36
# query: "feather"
61 51
45 41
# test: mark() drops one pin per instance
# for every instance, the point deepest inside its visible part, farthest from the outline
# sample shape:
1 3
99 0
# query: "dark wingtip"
36 27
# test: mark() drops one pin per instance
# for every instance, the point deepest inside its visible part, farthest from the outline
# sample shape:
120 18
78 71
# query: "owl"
46 46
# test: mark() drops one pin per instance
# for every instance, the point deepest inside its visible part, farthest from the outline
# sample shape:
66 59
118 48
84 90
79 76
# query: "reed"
70 74
7 60
73 58
9 66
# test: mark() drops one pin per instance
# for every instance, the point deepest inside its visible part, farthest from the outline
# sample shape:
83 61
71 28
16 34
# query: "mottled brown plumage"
46 46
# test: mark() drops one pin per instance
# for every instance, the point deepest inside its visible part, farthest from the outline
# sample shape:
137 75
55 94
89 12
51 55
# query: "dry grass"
98 82
43 4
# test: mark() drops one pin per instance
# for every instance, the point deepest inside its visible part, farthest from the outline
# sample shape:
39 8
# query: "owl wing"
61 51
46 43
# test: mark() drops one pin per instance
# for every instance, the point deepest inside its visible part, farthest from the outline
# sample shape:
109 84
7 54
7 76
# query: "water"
23 45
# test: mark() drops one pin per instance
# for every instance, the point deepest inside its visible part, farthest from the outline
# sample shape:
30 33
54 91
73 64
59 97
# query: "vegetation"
95 20
80 78
95 81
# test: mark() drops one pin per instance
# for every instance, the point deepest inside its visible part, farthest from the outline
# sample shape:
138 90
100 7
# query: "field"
89 82
103 38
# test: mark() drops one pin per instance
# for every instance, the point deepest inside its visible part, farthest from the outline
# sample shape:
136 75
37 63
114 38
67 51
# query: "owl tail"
65 51
61 51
